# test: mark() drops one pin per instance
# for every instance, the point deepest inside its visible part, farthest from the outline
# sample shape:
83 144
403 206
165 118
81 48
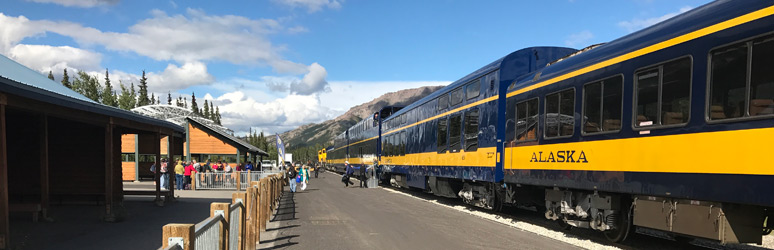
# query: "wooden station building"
56 144
204 140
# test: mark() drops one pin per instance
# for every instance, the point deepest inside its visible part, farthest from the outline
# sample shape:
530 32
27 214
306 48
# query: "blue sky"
274 65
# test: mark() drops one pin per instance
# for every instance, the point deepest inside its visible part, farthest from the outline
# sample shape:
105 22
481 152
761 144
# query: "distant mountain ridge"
324 132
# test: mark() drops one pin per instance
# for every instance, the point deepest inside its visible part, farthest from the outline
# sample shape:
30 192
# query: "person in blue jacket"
249 166
350 171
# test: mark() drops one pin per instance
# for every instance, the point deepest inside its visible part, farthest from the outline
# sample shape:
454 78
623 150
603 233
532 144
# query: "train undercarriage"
613 214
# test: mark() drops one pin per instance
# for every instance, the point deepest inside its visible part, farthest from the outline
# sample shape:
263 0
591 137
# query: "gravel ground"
534 222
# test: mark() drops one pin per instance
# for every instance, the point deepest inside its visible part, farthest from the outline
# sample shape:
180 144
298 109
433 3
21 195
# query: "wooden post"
223 237
193 182
44 188
157 174
185 231
242 218
238 180
170 165
264 204
5 241
249 177
251 227
110 215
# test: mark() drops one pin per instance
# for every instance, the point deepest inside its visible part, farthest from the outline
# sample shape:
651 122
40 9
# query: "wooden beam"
4 225
44 182
109 213
3 99
57 111
170 167
157 174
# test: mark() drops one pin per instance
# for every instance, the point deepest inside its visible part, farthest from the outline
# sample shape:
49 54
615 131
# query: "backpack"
153 168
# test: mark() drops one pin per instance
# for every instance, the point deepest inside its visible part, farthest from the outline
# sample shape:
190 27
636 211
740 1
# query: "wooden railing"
233 226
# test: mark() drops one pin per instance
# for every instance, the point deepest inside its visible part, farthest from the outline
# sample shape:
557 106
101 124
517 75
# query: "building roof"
176 115
227 138
17 79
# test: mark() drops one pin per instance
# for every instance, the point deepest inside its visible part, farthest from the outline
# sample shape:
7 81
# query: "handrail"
207 223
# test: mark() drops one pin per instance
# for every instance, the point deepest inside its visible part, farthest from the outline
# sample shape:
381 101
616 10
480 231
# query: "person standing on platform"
292 179
363 183
249 166
164 174
304 176
188 171
349 172
179 171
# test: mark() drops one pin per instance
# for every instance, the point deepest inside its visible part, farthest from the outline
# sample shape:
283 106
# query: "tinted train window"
403 143
471 130
456 97
738 70
560 110
455 131
442 133
663 94
602 105
473 89
526 120
443 101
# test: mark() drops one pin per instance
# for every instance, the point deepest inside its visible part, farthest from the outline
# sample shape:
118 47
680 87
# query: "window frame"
583 104
708 100
438 137
516 119
438 102
461 133
478 92
545 112
660 64
451 94
465 127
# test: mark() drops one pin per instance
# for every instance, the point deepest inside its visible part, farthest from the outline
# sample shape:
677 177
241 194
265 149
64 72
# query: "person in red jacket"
189 169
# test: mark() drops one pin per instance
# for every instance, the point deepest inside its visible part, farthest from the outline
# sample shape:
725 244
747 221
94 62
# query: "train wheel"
623 225
563 225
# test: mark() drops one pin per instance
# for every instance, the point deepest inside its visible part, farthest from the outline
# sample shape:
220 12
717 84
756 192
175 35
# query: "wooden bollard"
238 181
193 183
223 237
185 231
264 205
251 227
242 218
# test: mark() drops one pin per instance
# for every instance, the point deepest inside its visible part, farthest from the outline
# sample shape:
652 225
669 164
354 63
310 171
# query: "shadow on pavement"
286 212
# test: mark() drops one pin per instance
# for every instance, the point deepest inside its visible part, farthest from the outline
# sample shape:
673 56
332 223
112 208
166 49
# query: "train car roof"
515 60
689 21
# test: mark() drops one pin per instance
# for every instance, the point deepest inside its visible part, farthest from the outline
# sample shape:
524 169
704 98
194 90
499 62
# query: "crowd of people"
183 171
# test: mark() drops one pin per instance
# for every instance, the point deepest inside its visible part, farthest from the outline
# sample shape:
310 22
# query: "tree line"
128 98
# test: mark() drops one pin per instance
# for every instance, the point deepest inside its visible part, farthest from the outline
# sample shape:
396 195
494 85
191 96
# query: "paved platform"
78 226
329 216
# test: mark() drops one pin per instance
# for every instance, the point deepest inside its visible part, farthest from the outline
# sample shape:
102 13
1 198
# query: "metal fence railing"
207 233
235 220
228 181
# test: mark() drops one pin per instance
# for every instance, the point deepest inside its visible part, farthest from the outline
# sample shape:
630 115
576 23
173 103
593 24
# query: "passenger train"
664 128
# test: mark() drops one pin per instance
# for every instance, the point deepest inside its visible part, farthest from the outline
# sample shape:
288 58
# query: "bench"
35 208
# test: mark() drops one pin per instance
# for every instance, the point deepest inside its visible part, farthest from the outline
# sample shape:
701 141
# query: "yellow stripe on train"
483 157
725 152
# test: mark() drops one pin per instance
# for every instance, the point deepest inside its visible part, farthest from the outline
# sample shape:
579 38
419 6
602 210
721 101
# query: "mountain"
324 132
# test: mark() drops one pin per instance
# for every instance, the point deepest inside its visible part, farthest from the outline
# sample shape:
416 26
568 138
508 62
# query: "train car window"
471 130
527 120
403 143
602 105
456 97
663 94
762 78
455 133
560 110
443 143
443 101
473 89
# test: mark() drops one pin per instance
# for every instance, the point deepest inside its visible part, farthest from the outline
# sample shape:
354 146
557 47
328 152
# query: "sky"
274 65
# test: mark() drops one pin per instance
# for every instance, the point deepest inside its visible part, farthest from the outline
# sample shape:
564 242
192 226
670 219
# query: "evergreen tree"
169 98
66 80
206 112
134 97
217 115
108 95
143 99
91 87
126 99
194 106
51 75
78 84
153 99
212 113
185 102
179 101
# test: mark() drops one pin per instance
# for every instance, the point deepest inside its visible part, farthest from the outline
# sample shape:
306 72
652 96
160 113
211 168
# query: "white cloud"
639 23
579 39
313 82
173 78
78 3
241 112
311 5
46 58
297 29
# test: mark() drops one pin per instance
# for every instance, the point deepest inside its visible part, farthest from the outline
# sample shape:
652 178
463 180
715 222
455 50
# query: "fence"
228 181
231 226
